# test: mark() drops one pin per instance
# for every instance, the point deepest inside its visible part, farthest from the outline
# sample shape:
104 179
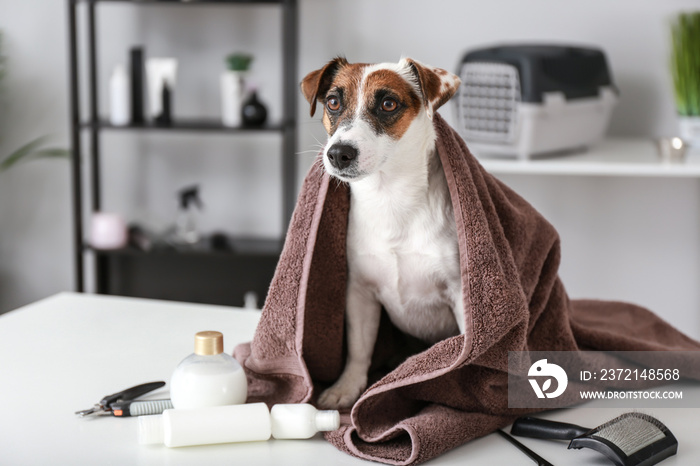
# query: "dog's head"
375 113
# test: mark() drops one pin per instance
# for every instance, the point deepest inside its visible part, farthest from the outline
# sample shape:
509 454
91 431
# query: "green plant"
685 63
33 149
239 61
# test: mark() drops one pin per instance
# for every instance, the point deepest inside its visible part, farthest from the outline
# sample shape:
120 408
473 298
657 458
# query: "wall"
35 256
632 239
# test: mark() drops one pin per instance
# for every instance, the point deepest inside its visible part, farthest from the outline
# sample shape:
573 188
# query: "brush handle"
131 393
551 430
140 408
531 454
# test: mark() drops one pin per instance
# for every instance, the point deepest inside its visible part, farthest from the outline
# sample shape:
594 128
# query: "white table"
66 352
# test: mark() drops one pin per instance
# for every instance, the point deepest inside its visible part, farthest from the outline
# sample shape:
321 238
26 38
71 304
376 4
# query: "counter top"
66 352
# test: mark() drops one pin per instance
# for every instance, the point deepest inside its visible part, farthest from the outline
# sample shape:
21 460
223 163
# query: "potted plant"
685 67
233 88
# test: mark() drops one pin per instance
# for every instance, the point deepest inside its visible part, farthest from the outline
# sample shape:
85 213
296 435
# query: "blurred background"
625 238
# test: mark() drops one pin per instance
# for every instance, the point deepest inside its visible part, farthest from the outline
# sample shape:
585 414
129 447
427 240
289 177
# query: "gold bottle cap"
208 343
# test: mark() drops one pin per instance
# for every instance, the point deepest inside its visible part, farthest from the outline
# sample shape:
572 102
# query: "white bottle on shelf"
119 97
209 377
232 90
300 421
205 426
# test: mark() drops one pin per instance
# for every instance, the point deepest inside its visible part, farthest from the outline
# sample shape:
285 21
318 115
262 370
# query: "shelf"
204 275
610 157
193 276
186 2
209 125
240 247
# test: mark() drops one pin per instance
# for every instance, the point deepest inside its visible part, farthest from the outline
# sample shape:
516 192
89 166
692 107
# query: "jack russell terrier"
402 247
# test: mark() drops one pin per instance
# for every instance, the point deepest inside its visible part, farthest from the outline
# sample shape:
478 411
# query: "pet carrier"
525 100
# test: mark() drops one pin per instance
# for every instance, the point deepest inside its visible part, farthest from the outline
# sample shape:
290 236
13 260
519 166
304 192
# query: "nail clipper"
123 404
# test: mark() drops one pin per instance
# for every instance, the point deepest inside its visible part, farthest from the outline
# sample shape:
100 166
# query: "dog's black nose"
341 155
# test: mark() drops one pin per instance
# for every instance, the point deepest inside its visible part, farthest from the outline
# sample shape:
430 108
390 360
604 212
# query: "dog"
402 250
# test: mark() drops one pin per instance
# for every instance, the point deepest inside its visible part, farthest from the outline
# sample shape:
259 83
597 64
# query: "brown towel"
455 390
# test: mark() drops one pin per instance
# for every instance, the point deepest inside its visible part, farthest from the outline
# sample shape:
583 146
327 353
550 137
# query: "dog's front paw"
342 394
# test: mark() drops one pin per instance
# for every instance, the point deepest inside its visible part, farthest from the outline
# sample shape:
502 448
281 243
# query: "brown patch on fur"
382 84
326 122
342 80
431 82
345 87
448 89
316 83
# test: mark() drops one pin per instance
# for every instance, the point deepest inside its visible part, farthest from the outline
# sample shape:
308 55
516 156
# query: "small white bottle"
209 377
300 421
205 426
119 97
232 85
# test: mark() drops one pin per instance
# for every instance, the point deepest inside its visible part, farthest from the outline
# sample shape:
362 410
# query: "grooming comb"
632 439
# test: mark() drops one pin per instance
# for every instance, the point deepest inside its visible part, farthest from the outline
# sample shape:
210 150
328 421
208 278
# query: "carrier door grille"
488 102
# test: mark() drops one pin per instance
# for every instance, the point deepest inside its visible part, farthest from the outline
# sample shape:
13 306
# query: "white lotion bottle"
205 426
119 97
301 421
232 85
209 377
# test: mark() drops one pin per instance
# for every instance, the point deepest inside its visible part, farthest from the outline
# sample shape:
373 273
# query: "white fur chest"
402 249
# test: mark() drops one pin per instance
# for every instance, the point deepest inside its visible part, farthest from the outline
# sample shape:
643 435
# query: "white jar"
209 377
300 421
108 231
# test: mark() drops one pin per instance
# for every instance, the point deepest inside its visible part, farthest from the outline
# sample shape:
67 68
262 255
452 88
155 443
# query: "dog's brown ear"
436 85
317 83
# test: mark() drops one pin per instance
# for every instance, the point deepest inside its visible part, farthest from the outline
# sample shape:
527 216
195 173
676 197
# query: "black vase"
253 112
137 68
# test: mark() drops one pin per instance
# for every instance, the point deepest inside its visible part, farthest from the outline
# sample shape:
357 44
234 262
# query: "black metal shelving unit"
213 277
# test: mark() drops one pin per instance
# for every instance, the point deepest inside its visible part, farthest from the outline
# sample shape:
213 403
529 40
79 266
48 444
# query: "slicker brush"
632 439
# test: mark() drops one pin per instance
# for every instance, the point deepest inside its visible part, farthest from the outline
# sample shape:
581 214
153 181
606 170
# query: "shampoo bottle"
236 423
300 421
209 377
204 426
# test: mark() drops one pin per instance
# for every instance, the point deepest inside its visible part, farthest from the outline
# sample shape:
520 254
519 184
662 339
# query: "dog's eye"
389 105
333 104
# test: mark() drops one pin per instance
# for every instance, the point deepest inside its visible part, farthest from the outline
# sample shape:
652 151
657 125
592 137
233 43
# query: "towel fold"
455 390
